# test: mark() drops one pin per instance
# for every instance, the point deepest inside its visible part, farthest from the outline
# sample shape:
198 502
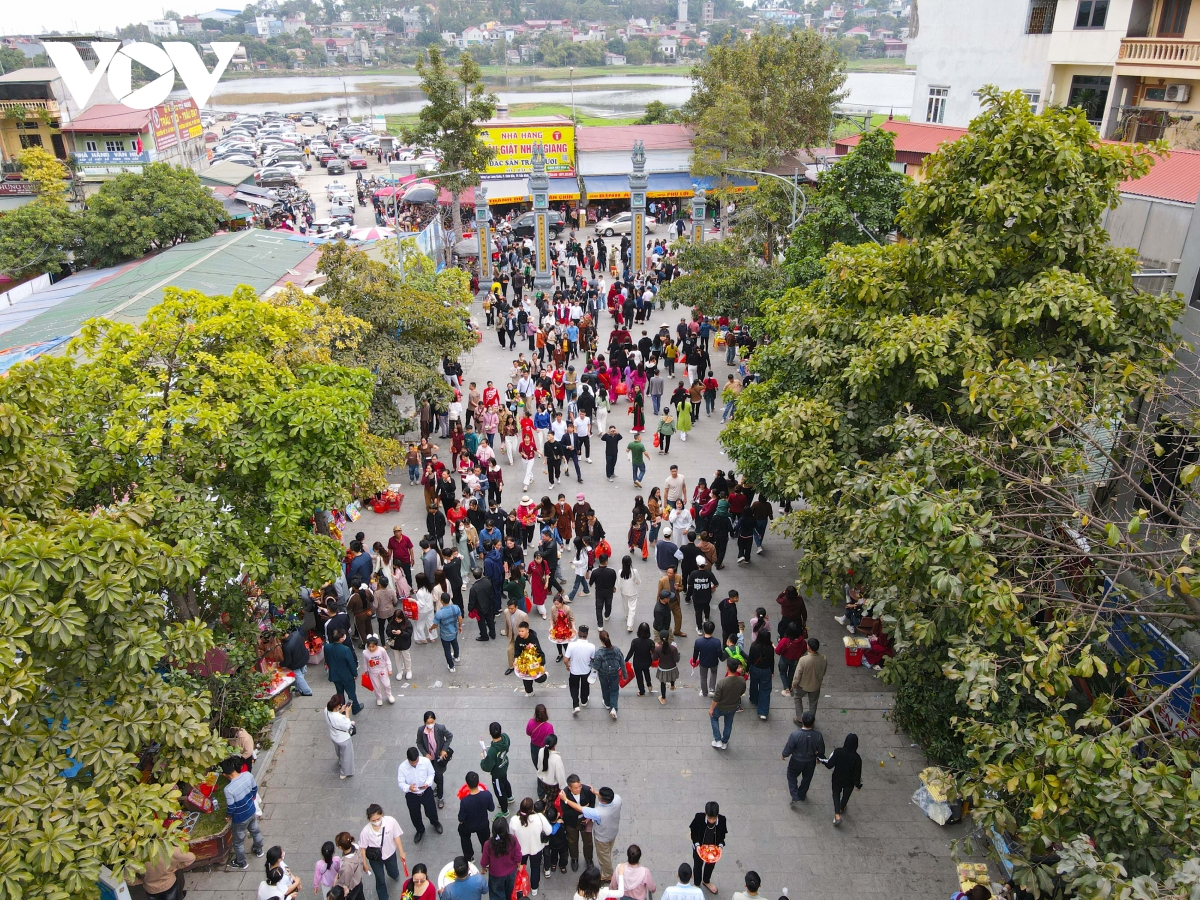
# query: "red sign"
175 121
162 126
17 188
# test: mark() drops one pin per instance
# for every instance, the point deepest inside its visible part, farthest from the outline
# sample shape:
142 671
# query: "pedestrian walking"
725 704
326 870
802 750
684 890
666 653
708 830
350 870
562 626
706 656
295 657
500 859
416 777
379 848
604 580
641 655
531 830
514 618
378 667
578 660
847 774
606 823
551 773
448 621
343 668
528 646
627 585
239 806
806 683
760 662
636 451
538 729
608 664
789 650
474 811
480 605
494 760
341 732
433 741
418 886
700 586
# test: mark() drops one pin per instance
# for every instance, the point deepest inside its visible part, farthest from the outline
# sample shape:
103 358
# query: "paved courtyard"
659 759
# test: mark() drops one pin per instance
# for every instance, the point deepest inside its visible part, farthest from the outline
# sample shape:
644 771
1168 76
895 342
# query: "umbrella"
425 192
371 234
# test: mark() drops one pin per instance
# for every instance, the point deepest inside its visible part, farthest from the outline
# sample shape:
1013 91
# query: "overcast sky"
18 17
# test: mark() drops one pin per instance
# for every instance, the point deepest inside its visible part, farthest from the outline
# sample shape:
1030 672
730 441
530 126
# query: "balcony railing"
1159 52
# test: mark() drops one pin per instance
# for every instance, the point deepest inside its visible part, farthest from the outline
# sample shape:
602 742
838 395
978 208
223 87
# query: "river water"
606 96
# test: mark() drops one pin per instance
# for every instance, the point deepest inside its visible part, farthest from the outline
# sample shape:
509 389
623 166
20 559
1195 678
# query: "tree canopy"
136 213
914 394
39 236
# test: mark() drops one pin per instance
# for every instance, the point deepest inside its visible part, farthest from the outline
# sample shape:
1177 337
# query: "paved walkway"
659 759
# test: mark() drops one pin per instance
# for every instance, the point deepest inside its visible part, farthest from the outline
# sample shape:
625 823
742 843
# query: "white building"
163 28
668 47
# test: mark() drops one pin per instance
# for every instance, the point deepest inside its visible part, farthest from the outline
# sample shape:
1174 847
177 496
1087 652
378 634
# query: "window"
936 110
1173 19
30 140
1089 93
114 146
1034 98
90 146
1091 14
1041 16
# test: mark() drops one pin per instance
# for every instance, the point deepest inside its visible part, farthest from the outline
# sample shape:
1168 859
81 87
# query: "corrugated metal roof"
110 117
621 137
230 174
215 266
1176 177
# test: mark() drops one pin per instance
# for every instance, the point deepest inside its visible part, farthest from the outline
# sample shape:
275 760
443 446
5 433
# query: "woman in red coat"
539 582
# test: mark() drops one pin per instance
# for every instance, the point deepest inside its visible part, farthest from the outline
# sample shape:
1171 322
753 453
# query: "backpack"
607 662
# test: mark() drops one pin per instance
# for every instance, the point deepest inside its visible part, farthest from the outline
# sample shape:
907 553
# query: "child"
413 460
666 654
556 847
378 665
562 625
638 533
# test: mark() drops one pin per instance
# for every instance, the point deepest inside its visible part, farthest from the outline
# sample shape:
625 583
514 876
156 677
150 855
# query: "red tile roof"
111 117
911 137
1176 177
621 137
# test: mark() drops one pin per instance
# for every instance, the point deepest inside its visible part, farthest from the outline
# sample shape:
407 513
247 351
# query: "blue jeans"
730 351
787 668
239 838
656 399
301 686
760 689
727 412
450 648
580 582
716 717
500 887
414 473
639 471
760 530
610 690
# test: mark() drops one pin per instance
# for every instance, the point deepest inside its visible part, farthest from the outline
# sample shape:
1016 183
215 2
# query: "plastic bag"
626 675
521 887
366 682
656 440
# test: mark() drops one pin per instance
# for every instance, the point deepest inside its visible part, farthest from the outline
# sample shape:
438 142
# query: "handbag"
410 608
626 675
366 682
375 854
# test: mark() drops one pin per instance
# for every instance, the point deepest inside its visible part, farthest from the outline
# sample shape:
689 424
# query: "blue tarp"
606 187
669 184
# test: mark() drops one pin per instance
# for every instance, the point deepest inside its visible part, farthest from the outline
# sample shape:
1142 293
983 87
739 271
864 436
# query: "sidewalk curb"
263 764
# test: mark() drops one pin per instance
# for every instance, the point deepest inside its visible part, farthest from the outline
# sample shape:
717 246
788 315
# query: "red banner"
171 122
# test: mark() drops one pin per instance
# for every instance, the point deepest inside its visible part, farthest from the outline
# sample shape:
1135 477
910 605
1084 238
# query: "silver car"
622 223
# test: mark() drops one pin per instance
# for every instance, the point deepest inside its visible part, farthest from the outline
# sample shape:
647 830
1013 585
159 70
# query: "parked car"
335 187
622 223
327 228
342 212
345 150
307 120
335 167
276 176
526 225
341 198
326 156
358 161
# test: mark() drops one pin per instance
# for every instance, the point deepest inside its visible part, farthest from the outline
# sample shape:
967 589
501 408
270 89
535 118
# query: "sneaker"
379 701
764 718
724 746
258 852
613 713
584 703
576 711
451 668
743 562
701 693
716 745
533 893
391 699
234 864
343 777
785 692
841 620
760 551
547 873
408 675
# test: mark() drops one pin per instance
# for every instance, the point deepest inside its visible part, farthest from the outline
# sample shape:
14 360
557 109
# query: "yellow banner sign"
512 148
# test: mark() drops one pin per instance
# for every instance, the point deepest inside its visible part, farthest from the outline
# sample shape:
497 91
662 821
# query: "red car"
357 161
325 156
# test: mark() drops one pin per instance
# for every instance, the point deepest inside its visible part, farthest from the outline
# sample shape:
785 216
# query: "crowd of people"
517 568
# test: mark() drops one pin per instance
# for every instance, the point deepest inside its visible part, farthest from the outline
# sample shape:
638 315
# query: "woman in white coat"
425 607
681 523
628 582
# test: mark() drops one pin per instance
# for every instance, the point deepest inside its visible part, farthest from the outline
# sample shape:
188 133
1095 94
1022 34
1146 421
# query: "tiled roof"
911 137
110 117
621 137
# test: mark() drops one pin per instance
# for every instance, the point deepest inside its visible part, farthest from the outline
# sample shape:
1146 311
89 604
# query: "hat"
701 560
398 528
579 496
664 594
526 499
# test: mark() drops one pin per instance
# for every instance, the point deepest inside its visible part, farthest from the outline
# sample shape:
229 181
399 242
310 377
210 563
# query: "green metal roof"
215 266
228 174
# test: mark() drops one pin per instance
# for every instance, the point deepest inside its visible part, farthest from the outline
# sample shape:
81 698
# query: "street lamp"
572 70
792 183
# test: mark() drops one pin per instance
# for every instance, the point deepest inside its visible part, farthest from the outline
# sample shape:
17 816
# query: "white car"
327 228
335 187
621 223
307 120
341 198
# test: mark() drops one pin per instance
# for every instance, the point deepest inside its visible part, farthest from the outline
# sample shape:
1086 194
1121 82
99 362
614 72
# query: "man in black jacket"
295 657
433 742
452 569
604 580
575 824
481 602
707 829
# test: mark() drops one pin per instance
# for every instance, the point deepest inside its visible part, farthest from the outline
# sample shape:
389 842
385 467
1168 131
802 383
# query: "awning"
253 199
736 183
670 184
606 187
507 190
564 188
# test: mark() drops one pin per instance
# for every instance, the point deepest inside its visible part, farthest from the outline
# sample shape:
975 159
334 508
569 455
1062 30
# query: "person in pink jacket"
378 664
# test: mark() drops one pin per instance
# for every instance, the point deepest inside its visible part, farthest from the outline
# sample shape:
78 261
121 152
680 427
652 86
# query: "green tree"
39 236
12 59
414 322
84 635
888 385
637 51
222 415
135 214
449 122
723 278
658 112
786 83
47 172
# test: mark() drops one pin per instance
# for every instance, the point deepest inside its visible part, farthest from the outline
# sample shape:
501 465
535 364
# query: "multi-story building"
34 104
163 28
706 13
1132 65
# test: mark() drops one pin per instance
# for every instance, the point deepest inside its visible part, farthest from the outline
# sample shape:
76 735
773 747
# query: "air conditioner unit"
1178 93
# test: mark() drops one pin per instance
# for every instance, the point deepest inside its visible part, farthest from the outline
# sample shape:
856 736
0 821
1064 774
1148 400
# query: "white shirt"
267 891
683 892
384 838
559 428
529 836
583 426
339 726
579 656
420 775
627 587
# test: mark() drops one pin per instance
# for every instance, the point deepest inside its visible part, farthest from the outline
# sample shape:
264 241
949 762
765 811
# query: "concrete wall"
965 44
617 162
1156 229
